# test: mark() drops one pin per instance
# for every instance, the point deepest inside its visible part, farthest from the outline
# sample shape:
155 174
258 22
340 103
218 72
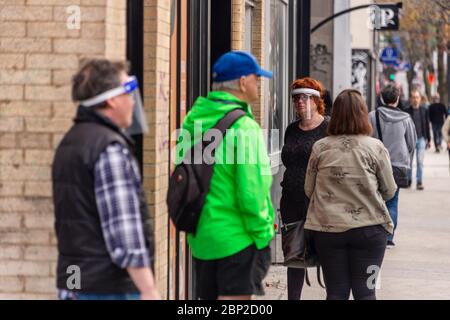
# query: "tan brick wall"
156 144
237 38
237 24
38 55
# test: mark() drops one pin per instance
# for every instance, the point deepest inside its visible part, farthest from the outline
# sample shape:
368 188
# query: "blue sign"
389 56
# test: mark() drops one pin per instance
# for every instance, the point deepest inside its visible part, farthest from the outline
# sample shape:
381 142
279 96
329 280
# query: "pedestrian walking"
236 225
348 180
396 130
102 223
424 101
299 138
328 102
438 114
420 117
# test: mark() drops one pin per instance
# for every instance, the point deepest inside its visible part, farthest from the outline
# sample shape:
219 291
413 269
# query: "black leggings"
295 280
351 260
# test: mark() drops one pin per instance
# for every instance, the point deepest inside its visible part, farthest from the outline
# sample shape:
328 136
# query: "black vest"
77 222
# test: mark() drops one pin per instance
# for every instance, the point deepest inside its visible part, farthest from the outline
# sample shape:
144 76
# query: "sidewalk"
419 266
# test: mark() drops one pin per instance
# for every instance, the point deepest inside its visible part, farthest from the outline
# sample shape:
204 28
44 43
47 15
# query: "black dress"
295 156
294 203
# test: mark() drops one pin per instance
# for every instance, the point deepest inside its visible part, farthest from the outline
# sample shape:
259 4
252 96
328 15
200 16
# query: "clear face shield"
305 94
131 87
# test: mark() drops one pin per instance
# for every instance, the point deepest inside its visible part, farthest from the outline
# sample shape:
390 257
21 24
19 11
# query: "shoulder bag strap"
377 116
222 125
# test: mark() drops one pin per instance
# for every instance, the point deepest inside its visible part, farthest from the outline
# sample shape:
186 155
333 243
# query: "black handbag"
401 175
297 245
298 249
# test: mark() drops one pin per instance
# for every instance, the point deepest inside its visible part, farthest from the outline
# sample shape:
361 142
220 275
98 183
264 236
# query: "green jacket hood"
211 109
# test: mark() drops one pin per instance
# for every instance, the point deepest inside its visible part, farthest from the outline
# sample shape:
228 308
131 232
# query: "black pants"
295 280
351 261
239 274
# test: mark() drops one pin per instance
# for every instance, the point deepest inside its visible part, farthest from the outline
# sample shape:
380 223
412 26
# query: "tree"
424 28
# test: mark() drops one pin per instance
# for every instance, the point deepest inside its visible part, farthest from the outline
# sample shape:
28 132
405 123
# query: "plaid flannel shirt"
117 182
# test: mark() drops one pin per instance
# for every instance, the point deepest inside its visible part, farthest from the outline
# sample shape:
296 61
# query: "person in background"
424 101
328 102
438 114
399 137
420 117
348 180
298 141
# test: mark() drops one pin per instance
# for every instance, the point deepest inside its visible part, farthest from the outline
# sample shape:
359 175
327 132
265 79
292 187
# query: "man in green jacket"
231 245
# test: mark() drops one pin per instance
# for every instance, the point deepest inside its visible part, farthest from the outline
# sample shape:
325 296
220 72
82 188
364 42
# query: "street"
418 267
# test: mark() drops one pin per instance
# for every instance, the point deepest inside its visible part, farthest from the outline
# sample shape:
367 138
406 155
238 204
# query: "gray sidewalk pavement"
418 267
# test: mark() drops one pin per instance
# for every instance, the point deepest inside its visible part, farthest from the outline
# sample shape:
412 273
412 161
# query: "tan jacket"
348 180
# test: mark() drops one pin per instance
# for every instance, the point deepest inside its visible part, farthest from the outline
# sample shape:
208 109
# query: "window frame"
275 155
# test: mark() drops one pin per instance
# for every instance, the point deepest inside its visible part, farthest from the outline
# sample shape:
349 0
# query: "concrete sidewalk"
419 266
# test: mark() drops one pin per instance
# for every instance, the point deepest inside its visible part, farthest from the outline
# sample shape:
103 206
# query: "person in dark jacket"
103 227
328 102
421 120
438 114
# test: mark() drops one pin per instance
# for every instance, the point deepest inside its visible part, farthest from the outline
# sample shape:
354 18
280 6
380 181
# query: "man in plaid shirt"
102 222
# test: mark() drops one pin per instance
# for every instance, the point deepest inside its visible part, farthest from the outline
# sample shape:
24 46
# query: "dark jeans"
349 261
392 206
101 296
437 134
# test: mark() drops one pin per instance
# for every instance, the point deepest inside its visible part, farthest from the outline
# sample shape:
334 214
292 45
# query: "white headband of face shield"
309 92
306 91
128 87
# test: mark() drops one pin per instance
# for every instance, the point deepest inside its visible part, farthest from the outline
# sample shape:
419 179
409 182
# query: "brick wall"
38 55
156 143
237 43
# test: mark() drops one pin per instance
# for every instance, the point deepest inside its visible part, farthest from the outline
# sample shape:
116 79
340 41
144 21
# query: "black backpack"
189 182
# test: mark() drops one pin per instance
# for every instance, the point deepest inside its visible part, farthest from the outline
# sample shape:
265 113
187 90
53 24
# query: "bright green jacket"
238 210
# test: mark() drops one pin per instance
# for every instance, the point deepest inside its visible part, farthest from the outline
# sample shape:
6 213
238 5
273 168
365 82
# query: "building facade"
171 45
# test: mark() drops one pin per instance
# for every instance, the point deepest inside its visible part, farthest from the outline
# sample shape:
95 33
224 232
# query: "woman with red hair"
307 97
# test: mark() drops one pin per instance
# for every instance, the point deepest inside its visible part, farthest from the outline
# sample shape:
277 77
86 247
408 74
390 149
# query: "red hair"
311 83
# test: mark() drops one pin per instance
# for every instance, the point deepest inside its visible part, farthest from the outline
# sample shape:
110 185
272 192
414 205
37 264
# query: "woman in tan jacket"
349 178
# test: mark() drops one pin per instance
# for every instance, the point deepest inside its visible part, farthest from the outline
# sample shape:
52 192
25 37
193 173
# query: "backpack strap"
222 125
377 116
227 121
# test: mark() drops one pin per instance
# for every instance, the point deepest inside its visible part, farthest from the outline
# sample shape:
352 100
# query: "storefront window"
278 102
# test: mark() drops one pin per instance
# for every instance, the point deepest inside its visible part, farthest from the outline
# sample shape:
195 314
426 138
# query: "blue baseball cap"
236 64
